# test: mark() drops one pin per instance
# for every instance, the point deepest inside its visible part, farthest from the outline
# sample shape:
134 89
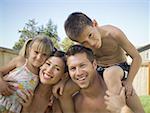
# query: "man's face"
81 70
90 37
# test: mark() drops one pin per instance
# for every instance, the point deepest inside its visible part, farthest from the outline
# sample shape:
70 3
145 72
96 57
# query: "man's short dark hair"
76 49
75 24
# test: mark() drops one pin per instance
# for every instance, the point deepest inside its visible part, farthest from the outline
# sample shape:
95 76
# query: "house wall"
145 55
141 82
6 55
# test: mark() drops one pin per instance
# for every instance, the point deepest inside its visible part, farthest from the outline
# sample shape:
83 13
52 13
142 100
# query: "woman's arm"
14 63
26 101
7 89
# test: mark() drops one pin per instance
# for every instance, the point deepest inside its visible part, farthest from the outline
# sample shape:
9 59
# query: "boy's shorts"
125 66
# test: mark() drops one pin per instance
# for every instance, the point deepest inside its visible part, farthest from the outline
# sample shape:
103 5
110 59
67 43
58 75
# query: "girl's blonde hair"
24 50
43 43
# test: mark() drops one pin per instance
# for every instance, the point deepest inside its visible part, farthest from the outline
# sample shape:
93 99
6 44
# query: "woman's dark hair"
61 55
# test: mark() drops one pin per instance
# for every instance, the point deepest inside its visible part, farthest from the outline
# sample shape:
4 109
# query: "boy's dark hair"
61 55
75 24
76 49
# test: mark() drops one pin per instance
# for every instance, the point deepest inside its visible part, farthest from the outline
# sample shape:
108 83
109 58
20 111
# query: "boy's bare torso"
110 52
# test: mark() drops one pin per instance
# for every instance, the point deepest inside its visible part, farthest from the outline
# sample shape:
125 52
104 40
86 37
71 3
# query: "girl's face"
37 57
52 70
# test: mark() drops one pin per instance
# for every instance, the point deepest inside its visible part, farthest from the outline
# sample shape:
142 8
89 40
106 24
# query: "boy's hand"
128 88
5 88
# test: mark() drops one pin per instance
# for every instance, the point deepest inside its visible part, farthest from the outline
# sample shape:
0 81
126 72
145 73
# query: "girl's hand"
25 99
5 88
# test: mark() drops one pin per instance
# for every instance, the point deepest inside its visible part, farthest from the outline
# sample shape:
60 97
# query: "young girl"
24 76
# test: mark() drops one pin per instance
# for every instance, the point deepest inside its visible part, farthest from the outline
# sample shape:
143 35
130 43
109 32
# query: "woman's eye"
36 52
90 35
48 63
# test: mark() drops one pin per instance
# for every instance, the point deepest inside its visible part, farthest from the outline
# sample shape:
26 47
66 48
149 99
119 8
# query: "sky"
131 16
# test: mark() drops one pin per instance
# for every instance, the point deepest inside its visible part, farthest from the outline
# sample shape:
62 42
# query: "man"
90 99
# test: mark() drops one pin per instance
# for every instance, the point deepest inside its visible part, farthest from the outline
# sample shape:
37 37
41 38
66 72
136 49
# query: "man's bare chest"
92 106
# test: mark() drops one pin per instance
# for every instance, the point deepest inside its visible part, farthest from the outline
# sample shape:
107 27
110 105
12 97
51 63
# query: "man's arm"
66 100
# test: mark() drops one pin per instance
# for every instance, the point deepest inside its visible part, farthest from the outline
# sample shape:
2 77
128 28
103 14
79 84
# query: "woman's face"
52 70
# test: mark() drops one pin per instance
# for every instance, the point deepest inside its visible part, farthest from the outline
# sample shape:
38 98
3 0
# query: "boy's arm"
129 48
66 100
132 100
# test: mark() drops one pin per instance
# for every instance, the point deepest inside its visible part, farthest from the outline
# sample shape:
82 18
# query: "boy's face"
81 70
90 37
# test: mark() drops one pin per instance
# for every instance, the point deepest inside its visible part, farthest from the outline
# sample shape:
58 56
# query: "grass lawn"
146 103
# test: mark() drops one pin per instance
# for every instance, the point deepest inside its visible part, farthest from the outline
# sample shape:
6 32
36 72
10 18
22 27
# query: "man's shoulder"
77 97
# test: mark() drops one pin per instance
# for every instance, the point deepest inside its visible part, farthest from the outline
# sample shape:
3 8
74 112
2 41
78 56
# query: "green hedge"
145 100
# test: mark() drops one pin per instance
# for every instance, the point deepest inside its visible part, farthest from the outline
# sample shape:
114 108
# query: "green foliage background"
146 103
31 29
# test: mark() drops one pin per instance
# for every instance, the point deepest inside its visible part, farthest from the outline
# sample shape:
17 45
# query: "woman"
52 71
